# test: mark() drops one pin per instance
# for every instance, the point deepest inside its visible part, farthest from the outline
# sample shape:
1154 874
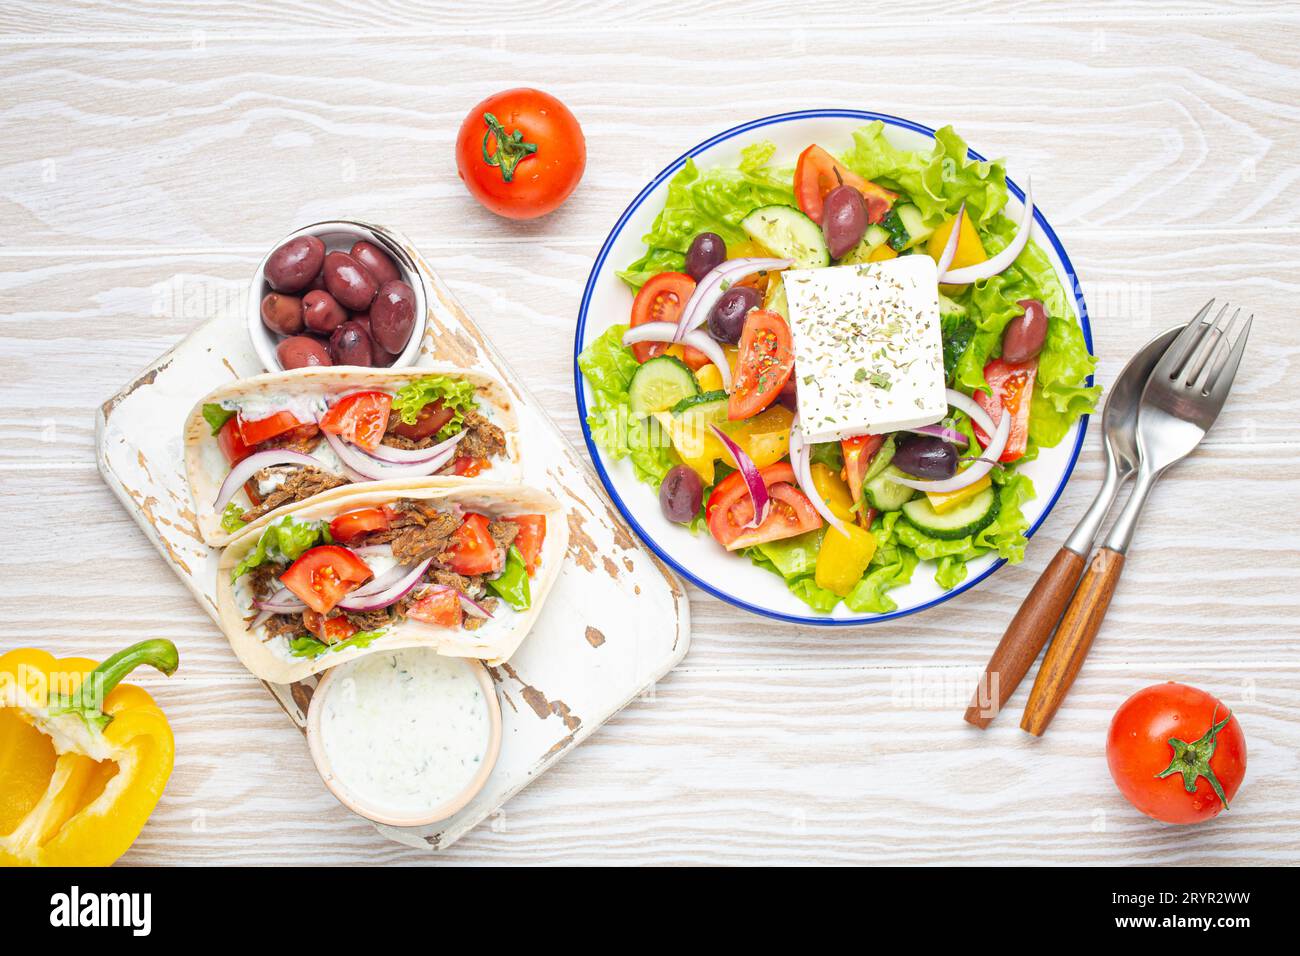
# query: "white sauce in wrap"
405 731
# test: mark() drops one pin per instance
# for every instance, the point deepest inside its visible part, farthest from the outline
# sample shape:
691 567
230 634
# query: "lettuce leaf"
216 416
512 584
609 366
456 394
232 519
304 645
282 541
715 200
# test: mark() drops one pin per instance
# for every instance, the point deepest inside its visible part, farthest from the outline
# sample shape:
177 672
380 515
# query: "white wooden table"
150 153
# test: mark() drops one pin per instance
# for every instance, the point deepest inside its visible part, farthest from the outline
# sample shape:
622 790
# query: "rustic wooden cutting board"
615 622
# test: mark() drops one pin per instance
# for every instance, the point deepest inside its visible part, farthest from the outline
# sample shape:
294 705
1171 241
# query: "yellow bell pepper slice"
969 248
843 558
881 253
83 757
942 501
834 491
765 437
709 378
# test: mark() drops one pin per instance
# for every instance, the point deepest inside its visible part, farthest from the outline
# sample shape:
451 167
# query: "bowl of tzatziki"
405 738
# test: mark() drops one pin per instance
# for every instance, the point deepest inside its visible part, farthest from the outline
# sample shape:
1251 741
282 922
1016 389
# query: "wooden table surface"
150 153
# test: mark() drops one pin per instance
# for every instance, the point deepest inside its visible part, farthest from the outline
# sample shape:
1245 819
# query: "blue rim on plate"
670 170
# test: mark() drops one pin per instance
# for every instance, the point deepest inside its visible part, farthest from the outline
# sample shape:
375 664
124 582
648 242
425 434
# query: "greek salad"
836 369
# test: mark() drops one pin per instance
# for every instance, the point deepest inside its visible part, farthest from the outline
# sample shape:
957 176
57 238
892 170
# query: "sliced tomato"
468 467
360 418
428 422
260 429
763 366
472 549
437 607
818 172
324 575
730 509
329 630
1012 384
353 524
858 453
231 442
532 532
661 299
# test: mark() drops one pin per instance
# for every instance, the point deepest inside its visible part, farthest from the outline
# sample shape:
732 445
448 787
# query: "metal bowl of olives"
341 292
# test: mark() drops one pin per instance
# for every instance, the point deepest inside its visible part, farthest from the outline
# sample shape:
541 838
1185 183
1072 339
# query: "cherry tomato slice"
260 429
1012 385
730 509
330 630
532 532
231 442
428 422
353 524
858 453
440 607
360 418
472 549
324 575
661 299
818 172
765 361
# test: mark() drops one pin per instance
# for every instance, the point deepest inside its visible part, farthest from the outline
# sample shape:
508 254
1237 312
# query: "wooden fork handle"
1073 640
1025 637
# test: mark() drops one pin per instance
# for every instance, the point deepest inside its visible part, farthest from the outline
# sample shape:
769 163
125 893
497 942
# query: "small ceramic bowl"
338 234
443 811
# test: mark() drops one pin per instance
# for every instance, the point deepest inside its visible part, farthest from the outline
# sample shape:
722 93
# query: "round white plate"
607 301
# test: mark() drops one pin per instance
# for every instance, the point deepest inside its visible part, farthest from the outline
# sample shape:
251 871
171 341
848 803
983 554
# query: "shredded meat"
300 485
262 579
369 620
302 439
482 438
474 623
421 530
503 533
449 579
283 625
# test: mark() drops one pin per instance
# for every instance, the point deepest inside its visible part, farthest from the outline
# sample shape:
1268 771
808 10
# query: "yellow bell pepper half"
834 492
83 757
843 558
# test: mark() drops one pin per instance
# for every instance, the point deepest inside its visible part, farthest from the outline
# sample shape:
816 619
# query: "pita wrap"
272 659
306 392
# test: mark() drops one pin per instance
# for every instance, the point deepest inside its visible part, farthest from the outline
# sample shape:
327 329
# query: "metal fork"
1181 401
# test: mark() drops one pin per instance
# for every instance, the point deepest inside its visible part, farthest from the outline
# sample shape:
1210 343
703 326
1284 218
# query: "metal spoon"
1043 606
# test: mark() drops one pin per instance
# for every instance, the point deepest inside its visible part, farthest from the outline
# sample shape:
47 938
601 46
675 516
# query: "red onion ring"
982 466
255 463
753 480
413 456
472 607
950 435
391 595
282 601
801 461
710 289
954 238
696 339
991 267
371 469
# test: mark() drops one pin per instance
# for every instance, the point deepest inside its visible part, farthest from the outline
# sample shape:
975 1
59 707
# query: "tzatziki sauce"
405 731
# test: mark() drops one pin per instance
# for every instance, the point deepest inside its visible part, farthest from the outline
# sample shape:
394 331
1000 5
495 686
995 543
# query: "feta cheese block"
868 356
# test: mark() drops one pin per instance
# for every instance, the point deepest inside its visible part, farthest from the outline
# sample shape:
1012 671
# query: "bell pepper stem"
87 701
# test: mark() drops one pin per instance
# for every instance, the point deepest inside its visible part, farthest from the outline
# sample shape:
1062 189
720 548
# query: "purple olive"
392 316
350 345
382 358
321 312
1023 337
282 314
293 266
375 260
349 282
844 220
680 495
302 351
926 457
707 251
728 317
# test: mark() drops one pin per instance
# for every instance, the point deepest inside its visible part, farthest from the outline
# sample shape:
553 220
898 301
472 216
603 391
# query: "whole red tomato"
1176 753
521 153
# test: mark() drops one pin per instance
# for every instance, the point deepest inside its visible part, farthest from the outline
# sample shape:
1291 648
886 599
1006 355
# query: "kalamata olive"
392 316
382 358
728 316
282 314
321 312
302 351
706 252
844 219
375 260
350 345
317 283
680 494
1022 339
428 422
293 265
926 457
349 281
789 396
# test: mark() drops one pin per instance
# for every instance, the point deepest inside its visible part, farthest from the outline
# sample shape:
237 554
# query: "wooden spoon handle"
1073 640
1025 636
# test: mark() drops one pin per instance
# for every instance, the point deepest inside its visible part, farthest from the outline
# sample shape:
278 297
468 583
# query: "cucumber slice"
786 232
909 217
881 460
885 494
875 237
706 404
660 384
965 519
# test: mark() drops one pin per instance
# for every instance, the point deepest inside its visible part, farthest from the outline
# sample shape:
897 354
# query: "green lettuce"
232 519
282 541
216 416
609 366
715 200
512 585
456 394
304 645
